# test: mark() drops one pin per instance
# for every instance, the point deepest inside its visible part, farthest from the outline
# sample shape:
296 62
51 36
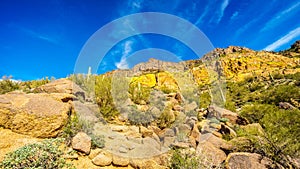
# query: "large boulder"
61 86
247 160
37 115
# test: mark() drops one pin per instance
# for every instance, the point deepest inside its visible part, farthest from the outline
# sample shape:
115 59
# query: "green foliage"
167 90
139 93
167 117
97 141
185 159
281 93
205 100
282 130
38 155
255 112
180 160
27 86
259 98
75 125
139 118
71 128
85 81
104 97
7 86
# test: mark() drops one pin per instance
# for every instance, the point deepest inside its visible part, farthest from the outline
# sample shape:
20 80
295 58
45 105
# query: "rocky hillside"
234 108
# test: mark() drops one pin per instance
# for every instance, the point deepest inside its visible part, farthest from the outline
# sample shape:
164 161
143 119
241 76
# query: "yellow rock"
147 80
37 115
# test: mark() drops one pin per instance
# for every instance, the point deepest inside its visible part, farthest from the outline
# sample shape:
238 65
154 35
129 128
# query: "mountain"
233 108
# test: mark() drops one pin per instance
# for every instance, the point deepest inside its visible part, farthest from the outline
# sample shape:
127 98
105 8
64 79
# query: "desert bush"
185 159
38 155
104 98
140 118
255 112
280 93
282 130
97 141
75 125
205 100
7 86
167 117
139 93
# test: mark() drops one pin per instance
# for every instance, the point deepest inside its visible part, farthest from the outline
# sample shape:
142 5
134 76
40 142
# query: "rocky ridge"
147 145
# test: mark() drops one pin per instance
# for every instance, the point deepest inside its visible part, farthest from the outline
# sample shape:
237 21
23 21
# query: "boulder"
11 141
216 141
152 142
120 161
183 129
254 129
82 142
168 141
214 155
146 132
190 107
218 112
195 133
167 132
145 164
37 115
61 86
94 153
103 159
225 130
247 160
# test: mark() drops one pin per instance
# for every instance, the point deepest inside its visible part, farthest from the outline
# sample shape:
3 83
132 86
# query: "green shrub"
139 93
26 86
281 93
97 141
38 155
139 118
255 112
185 159
205 100
75 125
8 86
104 97
282 130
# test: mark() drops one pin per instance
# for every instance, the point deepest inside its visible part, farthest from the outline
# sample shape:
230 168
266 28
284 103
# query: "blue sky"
41 38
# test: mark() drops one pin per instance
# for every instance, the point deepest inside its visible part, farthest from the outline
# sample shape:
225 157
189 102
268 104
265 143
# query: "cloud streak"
285 39
126 51
277 19
222 10
40 36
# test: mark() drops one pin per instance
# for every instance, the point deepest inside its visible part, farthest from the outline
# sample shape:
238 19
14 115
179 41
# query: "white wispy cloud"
200 19
280 17
38 35
234 15
222 10
283 40
127 48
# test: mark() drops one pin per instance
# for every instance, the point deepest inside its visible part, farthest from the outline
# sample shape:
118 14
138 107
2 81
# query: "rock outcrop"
38 115
62 86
